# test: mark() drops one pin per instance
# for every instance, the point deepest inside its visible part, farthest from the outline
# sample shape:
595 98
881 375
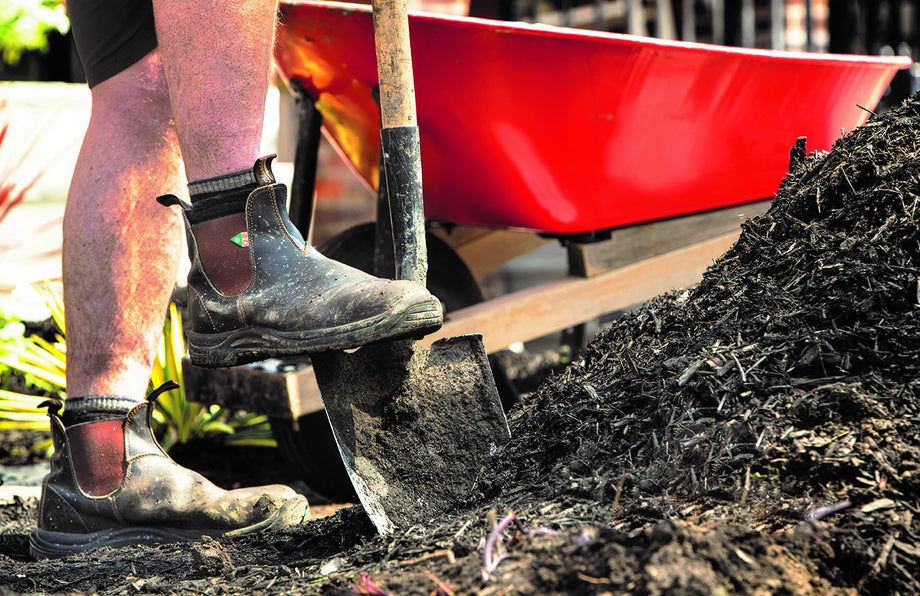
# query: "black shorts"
111 35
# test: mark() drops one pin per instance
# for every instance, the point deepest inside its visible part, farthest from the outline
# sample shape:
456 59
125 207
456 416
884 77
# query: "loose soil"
757 434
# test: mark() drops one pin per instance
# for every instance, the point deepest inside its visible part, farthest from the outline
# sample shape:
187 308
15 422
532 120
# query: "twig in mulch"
886 550
367 586
446 553
490 561
814 514
443 589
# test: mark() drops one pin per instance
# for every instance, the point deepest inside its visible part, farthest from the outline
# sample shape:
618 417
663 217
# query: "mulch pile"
786 381
759 433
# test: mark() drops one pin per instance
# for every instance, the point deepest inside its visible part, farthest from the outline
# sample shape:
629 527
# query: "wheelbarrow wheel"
449 279
448 276
309 445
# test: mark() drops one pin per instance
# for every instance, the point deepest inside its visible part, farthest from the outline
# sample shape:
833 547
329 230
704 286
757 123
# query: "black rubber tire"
448 276
310 446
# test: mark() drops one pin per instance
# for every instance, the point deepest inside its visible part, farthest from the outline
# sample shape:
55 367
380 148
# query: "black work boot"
112 485
257 290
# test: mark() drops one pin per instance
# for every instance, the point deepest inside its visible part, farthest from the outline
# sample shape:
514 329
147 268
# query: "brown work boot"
112 485
257 290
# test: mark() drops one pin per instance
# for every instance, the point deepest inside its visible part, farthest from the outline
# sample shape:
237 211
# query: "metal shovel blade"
414 425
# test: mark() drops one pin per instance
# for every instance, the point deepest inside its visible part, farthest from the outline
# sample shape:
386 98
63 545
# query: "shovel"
414 425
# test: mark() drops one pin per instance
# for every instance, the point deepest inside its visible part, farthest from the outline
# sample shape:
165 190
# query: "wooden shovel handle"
394 63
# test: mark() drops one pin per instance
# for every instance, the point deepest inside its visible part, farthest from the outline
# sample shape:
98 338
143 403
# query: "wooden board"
486 249
632 244
572 300
281 394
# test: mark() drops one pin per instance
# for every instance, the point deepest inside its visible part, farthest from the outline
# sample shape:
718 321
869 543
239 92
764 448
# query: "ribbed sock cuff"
93 408
217 197
223 183
220 196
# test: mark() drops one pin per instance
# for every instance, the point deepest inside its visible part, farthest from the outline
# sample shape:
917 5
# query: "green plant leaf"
25 25
24 364
175 418
19 410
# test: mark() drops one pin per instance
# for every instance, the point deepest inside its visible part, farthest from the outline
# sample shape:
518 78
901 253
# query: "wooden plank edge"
572 300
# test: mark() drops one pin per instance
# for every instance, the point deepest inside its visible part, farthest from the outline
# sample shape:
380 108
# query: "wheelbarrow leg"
306 154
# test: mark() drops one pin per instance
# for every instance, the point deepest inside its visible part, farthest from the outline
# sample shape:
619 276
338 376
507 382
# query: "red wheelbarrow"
640 154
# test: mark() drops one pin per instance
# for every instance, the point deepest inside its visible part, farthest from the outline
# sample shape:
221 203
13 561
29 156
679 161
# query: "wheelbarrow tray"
564 131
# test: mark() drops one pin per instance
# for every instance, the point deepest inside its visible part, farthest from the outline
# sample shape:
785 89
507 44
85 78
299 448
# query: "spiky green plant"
40 362
183 419
21 411
176 419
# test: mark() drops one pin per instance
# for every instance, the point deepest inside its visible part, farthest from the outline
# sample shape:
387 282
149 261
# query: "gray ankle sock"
221 195
93 408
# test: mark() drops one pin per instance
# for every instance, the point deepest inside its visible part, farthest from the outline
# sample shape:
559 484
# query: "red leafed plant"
11 194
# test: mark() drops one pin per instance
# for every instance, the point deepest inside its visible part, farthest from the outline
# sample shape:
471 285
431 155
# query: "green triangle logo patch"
241 239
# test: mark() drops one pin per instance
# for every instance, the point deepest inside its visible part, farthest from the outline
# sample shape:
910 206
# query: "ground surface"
759 434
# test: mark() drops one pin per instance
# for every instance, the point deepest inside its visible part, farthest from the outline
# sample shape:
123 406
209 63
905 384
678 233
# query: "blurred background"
840 26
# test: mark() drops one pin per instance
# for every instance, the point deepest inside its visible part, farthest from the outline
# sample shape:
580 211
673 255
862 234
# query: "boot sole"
242 346
45 544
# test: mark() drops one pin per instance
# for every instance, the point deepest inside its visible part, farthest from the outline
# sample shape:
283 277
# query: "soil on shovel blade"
759 433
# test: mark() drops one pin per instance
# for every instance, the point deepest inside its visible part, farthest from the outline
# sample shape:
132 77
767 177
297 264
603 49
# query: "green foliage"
21 411
40 361
176 419
41 365
25 25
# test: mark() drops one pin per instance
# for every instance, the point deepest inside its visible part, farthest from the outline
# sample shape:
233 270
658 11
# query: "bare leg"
121 248
217 57
250 297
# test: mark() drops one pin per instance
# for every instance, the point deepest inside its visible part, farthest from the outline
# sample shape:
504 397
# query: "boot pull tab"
170 200
263 170
53 405
167 386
